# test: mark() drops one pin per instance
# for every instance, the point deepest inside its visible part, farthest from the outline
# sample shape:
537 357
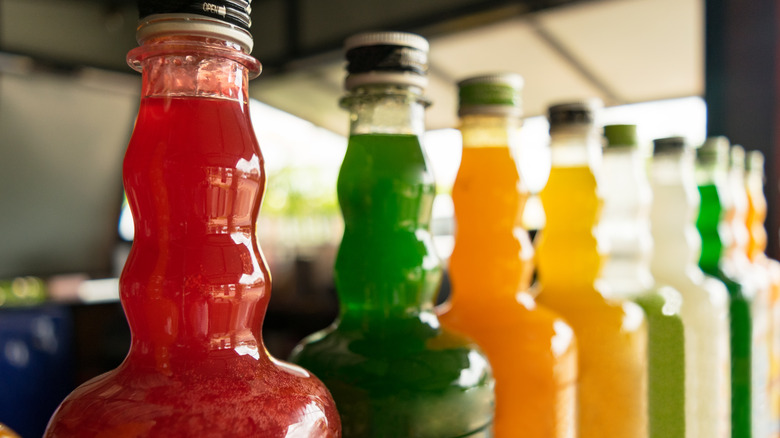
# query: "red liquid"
195 290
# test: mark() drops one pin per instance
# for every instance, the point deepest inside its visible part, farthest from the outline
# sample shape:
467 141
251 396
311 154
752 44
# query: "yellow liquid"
611 334
531 349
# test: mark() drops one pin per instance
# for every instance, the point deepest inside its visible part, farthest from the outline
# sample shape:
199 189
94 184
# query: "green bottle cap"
497 94
620 136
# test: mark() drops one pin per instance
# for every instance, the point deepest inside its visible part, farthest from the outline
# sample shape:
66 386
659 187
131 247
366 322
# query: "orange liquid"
6 432
531 350
611 335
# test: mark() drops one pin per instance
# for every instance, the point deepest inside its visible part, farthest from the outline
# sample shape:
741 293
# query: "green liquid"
391 369
666 366
709 220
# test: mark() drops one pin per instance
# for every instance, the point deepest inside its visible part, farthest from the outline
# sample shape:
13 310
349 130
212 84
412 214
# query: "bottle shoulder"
401 361
156 403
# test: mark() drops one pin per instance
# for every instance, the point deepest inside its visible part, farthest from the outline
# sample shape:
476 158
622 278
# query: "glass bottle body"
625 225
195 286
715 235
756 277
705 300
611 334
531 349
754 185
392 369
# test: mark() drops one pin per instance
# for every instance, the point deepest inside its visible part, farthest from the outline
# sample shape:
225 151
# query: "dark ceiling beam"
441 22
742 48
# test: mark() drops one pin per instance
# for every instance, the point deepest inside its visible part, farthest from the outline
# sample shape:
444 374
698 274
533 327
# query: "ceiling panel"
327 23
640 49
511 46
74 33
311 94
619 50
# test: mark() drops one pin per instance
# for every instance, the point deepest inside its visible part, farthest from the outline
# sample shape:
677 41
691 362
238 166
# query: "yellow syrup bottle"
611 334
531 349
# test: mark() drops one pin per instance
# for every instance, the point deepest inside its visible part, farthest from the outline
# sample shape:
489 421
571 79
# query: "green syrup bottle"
712 167
393 371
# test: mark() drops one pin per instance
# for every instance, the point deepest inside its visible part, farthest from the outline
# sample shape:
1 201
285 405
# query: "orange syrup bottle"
531 349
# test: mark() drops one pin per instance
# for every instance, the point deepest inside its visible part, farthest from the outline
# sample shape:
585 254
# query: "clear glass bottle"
393 371
625 225
531 349
195 286
756 277
754 185
676 248
611 333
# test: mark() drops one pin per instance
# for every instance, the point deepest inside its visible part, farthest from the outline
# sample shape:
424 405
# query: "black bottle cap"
573 113
235 12
386 57
669 144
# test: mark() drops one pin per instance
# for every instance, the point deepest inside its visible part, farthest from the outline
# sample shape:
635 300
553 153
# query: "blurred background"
68 102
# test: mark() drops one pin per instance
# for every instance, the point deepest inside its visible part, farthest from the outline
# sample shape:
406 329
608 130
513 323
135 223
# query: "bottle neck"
194 66
625 221
570 251
712 180
386 109
386 269
492 257
677 244
478 130
576 146
195 283
737 216
754 184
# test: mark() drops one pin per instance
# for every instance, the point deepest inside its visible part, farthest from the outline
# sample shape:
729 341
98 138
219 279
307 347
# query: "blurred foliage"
22 291
301 192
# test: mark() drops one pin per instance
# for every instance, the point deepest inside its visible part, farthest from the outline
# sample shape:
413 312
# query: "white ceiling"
623 51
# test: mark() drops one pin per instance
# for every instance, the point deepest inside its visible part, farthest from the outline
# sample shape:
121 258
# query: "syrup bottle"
625 224
611 333
393 371
531 349
716 236
705 310
754 185
195 286
756 275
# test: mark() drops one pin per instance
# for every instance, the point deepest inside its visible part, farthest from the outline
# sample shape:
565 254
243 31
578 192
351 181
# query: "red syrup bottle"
195 287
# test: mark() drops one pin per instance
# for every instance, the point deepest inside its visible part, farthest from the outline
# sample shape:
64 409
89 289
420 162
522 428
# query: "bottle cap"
235 12
714 150
620 136
221 18
386 58
573 113
737 157
669 144
755 161
496 94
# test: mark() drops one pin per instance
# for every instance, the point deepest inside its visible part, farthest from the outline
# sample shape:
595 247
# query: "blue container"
36 370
